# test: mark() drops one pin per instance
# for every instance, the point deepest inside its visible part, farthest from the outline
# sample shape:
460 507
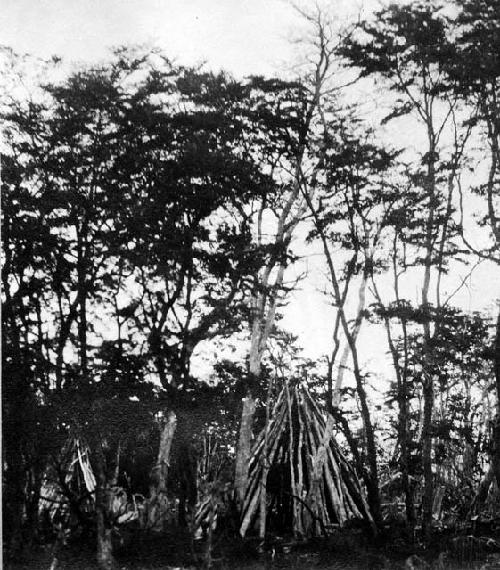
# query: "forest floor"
160 553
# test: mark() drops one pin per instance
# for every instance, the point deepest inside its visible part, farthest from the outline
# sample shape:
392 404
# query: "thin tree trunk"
296 486
428 397
33 502
345 354
427 373
105 558
265 303
265 470
402 397
405 436
496 424
492 473
244 447
372 482
158 489
261 328
16 512
82 295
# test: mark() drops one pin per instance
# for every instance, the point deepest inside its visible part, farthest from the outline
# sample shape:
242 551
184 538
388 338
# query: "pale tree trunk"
265 299
264 312
347 351
496 424
265 470
247 413
371 478
158 502
82 295
244 448
295 483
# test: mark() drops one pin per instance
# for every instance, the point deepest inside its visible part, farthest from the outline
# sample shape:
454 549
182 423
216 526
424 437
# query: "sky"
242 36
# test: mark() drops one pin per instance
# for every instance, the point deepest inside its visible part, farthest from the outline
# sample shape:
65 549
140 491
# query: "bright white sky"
242 36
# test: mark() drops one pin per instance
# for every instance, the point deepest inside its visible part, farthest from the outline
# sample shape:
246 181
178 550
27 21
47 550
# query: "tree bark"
158 503
345 354
496 425
82 296
265 471
263 320
105 558
266 297
244 447
427 373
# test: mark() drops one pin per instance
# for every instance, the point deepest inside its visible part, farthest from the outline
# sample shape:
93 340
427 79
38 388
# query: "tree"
192 256
475 77
121 173
409 47
26 288
350 209
294 116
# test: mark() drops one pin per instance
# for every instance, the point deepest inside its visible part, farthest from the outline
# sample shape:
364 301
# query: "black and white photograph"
250 284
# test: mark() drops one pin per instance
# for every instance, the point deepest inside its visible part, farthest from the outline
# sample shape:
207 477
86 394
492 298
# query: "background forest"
156 219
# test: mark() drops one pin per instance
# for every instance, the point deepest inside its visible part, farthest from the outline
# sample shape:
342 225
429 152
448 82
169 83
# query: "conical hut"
309 485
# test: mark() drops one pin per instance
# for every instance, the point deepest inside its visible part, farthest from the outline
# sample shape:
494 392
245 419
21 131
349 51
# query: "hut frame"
319 488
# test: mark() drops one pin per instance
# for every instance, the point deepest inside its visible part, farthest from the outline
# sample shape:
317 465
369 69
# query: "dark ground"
352 552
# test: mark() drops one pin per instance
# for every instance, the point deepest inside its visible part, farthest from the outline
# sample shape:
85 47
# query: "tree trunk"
265 299
428 494
261 327
158 503
494 468
105 558
405 438
355 332
495 448
265 471
244 447
427 373
188 493
82 296
16 517
13 446
402 399
32 504
371 479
